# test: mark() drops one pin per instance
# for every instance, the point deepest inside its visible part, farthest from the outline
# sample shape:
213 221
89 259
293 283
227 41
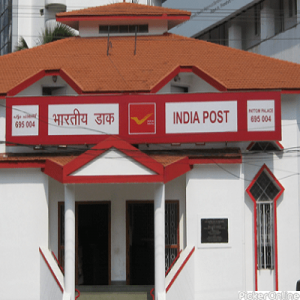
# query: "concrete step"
115 292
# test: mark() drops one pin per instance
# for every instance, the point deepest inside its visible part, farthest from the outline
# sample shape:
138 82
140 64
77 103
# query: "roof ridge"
158 9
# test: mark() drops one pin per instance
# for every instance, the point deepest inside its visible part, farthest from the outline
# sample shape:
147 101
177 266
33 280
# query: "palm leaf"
21 44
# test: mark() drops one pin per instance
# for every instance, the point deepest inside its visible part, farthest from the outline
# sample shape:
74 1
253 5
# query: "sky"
204 13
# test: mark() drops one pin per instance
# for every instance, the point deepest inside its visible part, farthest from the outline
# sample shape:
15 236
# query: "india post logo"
142 118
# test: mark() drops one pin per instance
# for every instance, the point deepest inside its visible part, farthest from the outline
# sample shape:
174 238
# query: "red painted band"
57 281
180 269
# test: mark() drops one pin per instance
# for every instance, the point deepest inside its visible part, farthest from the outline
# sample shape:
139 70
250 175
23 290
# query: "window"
141 28
279 16
5 27
292 8
179 89
257 19
265 146
291 12
264 191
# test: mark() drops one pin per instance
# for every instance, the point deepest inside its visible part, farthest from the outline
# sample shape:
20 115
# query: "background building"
268 27
28 18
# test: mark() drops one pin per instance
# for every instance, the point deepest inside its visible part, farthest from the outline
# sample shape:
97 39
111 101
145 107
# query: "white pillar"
70 240
235 35
159 241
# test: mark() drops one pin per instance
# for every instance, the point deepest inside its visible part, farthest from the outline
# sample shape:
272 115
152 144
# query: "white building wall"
23 229
286 171
285 168
215 192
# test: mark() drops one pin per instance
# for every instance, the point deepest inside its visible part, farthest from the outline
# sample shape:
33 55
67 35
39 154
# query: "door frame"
128 202
60 247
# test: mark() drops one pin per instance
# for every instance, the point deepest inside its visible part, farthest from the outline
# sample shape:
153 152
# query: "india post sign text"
194 117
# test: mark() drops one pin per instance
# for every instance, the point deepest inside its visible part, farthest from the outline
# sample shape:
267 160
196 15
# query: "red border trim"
57 281
278 144
242 133
38 76
290 92
63 173
176 169
21 164
264 167
180 69
180 269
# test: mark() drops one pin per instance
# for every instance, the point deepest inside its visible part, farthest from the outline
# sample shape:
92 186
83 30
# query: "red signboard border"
160 137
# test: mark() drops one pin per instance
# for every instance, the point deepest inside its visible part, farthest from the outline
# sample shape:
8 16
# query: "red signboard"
170 118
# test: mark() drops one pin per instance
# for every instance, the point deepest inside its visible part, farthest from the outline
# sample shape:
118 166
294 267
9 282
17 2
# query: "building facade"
265 27
27 19
140 157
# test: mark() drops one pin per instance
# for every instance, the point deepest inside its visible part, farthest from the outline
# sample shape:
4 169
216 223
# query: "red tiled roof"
86 62
163 157
124 9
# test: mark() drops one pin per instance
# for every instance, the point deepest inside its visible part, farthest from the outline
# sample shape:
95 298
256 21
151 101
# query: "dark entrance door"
92 242
140 243
140 240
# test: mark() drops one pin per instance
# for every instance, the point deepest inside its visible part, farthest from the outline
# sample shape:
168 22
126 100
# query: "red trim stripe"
21 164
180 269
264 167
184 69
57 281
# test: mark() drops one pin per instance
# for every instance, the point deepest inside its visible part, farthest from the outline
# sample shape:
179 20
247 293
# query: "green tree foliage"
48 35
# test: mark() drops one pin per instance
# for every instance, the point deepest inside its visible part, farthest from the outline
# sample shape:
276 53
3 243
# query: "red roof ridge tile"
123 8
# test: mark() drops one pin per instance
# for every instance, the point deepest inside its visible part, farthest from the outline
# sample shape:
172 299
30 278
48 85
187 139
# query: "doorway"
140 240
92 242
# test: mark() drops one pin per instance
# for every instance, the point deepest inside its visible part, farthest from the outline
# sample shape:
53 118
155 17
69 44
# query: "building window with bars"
264 191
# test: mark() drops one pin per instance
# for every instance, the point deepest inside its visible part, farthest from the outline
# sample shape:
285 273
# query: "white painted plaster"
113 162
23 229
216 269
49 288
184 285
